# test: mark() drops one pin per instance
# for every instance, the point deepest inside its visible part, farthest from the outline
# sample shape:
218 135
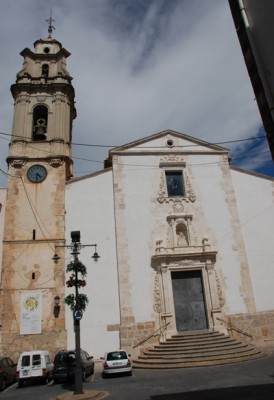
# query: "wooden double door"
189 300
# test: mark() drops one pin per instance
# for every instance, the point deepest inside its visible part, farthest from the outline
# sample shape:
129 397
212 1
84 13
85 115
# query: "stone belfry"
39 164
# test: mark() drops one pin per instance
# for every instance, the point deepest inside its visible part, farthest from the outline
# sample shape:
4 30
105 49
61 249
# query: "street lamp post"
78 385
78 301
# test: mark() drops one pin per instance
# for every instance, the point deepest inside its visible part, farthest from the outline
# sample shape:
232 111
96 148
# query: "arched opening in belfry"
40 122
45 70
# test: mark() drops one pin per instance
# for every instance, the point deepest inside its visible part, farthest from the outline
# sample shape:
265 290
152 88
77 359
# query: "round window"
170 143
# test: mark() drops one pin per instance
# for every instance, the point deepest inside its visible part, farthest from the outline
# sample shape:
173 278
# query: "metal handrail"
151 335
229 324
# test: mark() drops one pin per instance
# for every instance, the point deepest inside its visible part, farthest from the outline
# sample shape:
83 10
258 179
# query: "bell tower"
39 165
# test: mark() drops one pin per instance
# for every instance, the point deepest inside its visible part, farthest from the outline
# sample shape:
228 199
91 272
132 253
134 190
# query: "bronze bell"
40 130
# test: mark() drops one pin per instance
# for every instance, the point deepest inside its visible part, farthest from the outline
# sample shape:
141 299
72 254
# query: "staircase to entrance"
196 349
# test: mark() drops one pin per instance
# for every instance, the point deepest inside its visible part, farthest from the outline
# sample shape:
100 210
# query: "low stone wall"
259 325
132 333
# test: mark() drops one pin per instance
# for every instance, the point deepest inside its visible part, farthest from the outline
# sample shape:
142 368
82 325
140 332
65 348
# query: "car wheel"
3 385
56 380
20 383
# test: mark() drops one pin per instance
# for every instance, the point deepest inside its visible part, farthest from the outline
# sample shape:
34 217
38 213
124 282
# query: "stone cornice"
40 85
37 56
55 161
190 255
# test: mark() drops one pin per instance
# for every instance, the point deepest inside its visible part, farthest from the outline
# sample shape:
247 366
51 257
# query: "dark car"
65 362
7 372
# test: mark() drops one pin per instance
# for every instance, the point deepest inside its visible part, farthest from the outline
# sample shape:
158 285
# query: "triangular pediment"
167 141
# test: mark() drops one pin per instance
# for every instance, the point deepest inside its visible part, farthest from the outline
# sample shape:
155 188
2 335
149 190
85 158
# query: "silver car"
116 362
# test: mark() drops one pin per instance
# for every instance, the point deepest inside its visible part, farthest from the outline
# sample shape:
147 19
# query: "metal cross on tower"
50 20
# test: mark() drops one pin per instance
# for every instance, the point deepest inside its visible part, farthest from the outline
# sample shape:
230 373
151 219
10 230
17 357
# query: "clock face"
37 173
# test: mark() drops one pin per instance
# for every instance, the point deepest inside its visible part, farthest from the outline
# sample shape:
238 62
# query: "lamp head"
56 258
75 236
57 300
56 310
95 255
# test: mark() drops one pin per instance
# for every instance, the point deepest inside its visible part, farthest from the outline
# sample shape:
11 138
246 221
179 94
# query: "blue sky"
140 67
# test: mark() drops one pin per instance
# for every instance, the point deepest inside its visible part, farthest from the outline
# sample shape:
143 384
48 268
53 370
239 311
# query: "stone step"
194 344
195 363
159 353
196 334
196 349
211 343
200 338
201 354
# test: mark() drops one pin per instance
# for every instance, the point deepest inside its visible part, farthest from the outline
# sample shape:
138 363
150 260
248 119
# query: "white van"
34 365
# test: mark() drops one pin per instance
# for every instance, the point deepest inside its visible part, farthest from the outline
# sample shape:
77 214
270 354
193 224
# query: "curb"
86 395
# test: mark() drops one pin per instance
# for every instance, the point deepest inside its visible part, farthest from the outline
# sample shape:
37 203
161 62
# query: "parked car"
7 372
65 362
34 365
116 362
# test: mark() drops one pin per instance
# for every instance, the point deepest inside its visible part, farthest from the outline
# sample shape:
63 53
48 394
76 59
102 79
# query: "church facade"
185 240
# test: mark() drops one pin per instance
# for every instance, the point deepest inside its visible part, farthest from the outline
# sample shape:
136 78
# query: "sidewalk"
88 394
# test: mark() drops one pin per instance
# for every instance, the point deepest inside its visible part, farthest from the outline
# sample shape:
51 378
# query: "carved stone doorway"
189 301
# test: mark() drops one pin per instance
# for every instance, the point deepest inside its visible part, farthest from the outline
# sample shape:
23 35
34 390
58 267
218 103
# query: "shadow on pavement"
256 392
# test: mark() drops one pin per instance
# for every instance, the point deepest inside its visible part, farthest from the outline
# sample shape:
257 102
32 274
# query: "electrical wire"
213 163
35 214
57 271
148 147
144 147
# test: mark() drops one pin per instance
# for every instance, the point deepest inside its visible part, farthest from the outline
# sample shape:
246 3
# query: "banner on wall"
31 307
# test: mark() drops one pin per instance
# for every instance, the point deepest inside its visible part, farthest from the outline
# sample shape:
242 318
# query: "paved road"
252 380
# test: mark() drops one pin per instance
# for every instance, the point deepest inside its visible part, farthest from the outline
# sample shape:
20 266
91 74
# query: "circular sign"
78 315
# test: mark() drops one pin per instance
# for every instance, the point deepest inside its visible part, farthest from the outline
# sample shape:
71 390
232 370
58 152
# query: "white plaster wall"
215 216
89 207
145 221
216 223
142 216
138 185
255 198
220 212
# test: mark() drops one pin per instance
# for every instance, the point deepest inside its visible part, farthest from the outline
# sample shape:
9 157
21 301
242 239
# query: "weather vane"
50 20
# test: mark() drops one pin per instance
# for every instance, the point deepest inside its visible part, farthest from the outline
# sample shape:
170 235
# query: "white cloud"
139 67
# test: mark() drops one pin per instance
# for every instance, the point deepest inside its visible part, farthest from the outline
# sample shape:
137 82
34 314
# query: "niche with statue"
179 231
182 239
